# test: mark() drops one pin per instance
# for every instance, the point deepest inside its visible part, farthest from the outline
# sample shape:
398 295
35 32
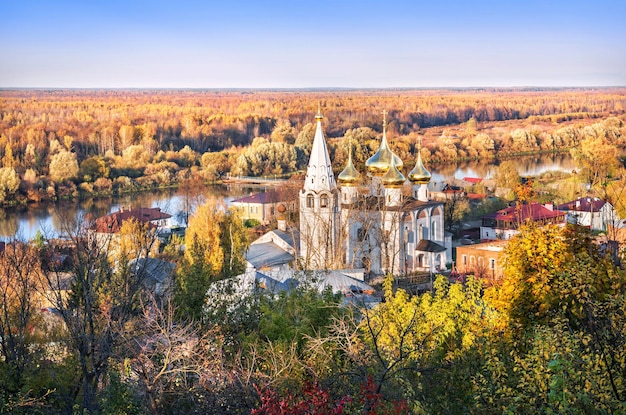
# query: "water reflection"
53 219
526 166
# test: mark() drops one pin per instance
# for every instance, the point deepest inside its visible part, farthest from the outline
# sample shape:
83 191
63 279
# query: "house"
504 223
265 207
106 229
156 274
274 250
483 260
472 181
112 223
447 192
593 213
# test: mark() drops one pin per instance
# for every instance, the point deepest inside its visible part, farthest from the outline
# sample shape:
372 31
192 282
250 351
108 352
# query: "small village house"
484 260
264 207
593 213
505 223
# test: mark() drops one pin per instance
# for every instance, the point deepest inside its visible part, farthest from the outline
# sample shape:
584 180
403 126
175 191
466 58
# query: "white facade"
370 225
319 208
592 213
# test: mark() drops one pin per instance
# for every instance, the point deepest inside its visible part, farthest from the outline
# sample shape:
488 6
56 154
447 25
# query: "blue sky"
302 44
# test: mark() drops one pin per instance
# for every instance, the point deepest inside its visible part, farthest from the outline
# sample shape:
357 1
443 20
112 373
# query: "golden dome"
419 174
349 176
379 163
393 177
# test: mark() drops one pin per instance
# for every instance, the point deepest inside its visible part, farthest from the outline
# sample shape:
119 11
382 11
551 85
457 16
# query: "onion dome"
393 177
349 176
381 161
419 174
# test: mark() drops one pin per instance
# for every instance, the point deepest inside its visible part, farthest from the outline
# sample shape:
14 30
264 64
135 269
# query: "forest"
549 338
81 143
84 331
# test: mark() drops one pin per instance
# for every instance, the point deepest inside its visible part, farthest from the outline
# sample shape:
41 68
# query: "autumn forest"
80 143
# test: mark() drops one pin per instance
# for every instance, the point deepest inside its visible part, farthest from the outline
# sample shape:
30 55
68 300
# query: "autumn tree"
408 335
507 177
283 132
96 300
596 159
21 289
9 182
63 166
563 347
215 243
93 168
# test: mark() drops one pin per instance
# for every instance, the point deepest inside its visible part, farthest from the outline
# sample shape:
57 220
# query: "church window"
324 201
361 234
492 263
309 201
464 259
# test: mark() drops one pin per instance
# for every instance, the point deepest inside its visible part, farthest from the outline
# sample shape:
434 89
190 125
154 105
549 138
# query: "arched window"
324 201
309 201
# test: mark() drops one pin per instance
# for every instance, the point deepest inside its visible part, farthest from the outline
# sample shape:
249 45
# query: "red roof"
583 204
261 198
113 222
476 196
474 180
533 212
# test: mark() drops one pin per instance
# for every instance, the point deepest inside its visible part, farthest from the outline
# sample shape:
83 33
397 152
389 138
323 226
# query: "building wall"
319 217
484 260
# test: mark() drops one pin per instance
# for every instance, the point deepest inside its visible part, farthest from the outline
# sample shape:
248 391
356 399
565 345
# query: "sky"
311 44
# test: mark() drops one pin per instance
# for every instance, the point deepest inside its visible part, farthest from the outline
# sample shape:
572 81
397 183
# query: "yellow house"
264 207
483 260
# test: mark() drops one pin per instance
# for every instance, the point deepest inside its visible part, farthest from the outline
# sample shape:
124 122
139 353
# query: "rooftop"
262 198
113 222
583 204
522 213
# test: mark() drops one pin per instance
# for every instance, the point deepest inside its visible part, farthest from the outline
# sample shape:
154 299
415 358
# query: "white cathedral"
372 226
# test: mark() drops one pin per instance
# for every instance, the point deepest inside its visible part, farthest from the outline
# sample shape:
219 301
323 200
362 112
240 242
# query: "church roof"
350 175
319 174
393 177
380 162
426 245
419 174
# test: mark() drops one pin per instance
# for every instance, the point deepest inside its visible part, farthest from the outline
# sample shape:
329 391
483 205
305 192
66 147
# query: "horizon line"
326 88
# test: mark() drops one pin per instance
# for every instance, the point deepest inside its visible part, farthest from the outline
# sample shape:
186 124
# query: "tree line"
59 144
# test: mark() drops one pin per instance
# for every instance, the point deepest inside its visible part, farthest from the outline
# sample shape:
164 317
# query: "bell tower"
319 208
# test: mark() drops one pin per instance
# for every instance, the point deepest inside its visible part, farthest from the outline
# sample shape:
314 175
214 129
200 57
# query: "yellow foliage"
203 234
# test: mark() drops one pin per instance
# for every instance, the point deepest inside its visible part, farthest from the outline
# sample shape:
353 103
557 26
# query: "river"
51 218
